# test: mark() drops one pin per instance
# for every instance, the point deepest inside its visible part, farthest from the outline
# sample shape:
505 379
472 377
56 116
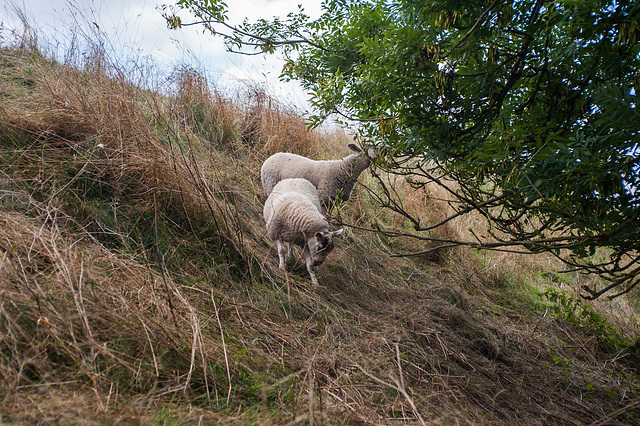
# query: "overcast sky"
136 28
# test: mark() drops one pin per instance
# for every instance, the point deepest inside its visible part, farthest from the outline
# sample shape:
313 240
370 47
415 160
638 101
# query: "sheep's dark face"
319 246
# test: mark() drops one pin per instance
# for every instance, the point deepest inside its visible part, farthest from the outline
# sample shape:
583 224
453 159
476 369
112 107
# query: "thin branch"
398 387
570 240
224 348
360 120
265 41
468 33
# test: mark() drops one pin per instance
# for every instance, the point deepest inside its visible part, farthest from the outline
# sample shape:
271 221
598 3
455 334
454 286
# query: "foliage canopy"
529 107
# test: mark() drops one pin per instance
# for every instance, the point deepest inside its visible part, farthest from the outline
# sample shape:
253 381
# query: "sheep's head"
319 246
360 161
366 157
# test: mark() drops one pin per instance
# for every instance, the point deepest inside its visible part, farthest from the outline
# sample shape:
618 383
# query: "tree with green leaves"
528 106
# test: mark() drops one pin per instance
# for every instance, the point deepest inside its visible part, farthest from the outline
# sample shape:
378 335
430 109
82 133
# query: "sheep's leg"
290 253
314 279
282 251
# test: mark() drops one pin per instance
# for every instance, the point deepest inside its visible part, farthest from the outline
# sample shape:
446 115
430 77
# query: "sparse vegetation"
137 284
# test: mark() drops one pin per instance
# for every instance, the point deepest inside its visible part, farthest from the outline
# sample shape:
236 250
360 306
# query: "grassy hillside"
137 284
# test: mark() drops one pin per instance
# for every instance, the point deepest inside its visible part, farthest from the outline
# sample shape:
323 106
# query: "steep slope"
137 283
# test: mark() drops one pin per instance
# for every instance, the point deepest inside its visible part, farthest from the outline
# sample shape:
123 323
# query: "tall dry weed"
102 173
76 313
273 127
205 109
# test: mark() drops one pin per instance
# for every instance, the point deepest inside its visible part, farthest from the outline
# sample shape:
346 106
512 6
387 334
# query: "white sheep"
293 216
334 179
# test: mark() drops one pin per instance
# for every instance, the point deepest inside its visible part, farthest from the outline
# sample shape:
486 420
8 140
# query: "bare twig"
224 347
398 387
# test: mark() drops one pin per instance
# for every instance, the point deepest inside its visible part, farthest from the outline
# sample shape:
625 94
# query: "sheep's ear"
354 147
338 232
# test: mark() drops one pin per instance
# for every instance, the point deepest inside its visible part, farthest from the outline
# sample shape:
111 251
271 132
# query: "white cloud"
256 9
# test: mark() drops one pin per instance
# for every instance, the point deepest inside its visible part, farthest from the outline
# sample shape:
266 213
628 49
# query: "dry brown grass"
137 285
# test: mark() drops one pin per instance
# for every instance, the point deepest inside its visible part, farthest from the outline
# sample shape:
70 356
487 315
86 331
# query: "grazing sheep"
293 215
334 179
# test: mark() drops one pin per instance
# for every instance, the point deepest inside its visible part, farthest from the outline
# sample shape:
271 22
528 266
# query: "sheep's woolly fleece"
293 215
334 179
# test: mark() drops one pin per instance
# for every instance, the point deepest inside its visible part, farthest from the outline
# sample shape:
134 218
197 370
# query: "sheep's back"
284 165
290 216
300 186
293 207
